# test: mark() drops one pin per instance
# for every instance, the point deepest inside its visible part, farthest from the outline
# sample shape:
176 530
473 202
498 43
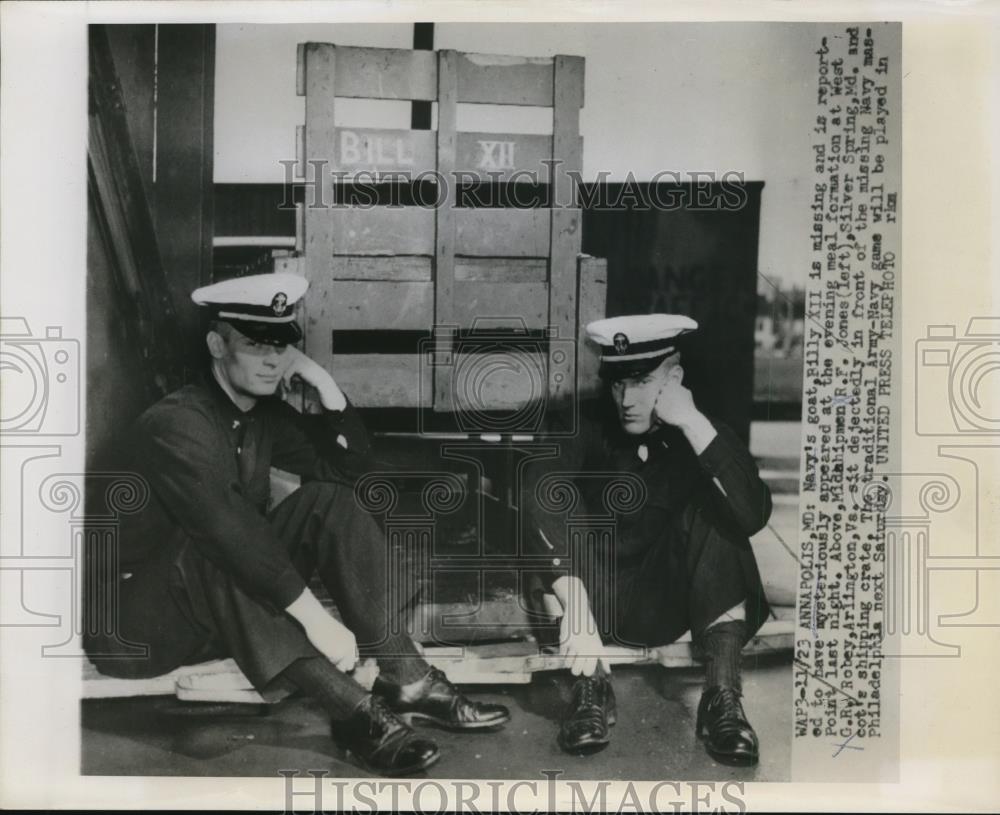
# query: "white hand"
329 636
675 403
311 372
334 641
581 643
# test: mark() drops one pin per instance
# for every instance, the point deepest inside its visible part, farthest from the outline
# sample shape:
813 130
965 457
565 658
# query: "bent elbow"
755 520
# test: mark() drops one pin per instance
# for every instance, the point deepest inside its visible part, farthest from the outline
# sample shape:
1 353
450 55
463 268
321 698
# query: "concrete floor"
654 738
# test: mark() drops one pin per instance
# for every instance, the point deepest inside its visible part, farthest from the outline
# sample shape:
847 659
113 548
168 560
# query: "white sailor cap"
261 306
634 345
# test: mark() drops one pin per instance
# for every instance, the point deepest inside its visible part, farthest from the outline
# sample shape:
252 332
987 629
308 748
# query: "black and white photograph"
459 370
503 414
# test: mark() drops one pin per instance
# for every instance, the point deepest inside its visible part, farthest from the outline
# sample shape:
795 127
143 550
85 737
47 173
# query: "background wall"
683 97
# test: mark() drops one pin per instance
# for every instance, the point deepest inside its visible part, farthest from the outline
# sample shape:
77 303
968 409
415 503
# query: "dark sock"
399 661
723 644
334 690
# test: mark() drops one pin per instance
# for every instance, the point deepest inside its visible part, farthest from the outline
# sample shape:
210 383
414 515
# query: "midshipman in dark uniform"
681 558
208 572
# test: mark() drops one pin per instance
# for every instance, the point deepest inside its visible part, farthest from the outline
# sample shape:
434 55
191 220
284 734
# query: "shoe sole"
734 759
729 759
422 718
591 747
587 749
399 771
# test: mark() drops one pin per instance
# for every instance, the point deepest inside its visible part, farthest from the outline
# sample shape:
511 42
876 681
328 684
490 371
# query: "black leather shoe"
435 700
592 712
722 724
383 744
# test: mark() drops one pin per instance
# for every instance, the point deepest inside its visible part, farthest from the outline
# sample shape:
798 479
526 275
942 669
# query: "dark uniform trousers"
684 584
186 609
206 571
677 560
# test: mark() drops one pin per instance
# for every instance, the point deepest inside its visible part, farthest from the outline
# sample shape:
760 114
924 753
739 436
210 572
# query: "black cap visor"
612 371
283 333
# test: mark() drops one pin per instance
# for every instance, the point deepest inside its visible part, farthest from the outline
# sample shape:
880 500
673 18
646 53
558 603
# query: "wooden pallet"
511 662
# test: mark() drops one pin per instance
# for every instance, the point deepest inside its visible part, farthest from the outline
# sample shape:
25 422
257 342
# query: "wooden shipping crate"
455 308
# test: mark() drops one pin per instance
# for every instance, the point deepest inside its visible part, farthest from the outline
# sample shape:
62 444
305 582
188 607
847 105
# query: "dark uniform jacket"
208 468
679 554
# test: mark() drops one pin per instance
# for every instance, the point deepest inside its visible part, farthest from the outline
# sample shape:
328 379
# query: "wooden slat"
289 264
319 75
591 305
502 232
300 228
445 227
384 150
507 661
382 230
505 304
505 80
419 267
300 151
566 220
347 305
394 73
480 232
383 380
300 69
396 267
502 270
501 156
491 663
379 73
275 242
479 156
98 686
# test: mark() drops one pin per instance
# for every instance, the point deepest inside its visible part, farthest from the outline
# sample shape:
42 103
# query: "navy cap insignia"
279 303
621 343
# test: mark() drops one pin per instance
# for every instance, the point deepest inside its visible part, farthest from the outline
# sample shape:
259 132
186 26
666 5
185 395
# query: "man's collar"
220 396
654 443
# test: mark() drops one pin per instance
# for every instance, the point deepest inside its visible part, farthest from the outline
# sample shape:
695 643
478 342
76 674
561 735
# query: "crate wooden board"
452 264
369 154
495 663
395 73
359 304
351 305
406 379
420 267
374 380
479 232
